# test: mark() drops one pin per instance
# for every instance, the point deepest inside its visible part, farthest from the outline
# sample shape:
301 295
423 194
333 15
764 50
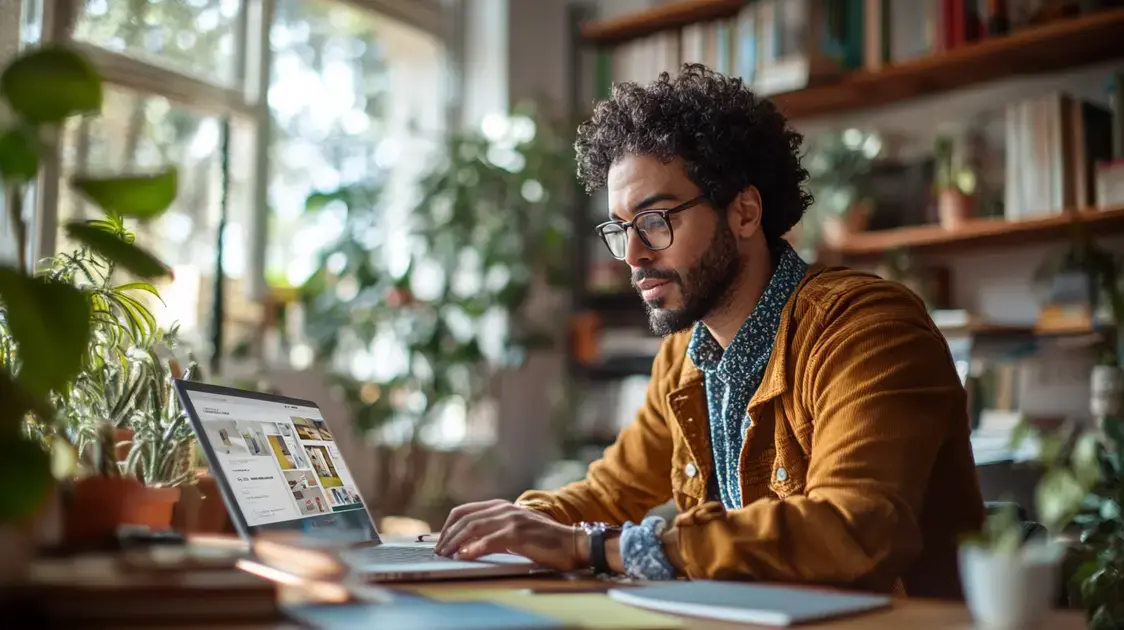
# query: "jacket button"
691 469
782 474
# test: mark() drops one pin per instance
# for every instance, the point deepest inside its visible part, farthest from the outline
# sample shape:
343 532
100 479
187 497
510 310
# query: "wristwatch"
597 533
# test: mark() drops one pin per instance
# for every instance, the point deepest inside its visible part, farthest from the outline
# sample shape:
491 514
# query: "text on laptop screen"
280 460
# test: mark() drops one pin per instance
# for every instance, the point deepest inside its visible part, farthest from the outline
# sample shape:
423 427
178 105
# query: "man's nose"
636 254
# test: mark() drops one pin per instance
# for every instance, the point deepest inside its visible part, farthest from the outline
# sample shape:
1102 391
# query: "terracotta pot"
953 208
153 507
201 509
99 505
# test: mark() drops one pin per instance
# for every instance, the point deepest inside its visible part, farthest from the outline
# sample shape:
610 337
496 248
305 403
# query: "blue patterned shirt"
731 378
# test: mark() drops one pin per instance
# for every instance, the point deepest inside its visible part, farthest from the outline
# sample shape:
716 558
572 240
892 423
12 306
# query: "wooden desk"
906 614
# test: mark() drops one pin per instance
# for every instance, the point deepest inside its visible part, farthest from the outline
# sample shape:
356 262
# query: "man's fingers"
455 535
461 511
500 541
476 526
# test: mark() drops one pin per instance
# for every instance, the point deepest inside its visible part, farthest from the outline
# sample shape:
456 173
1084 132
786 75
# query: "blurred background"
377 206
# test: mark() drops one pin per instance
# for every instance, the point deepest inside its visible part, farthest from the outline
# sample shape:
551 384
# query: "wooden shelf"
989 329
1061 45
979 234
661 17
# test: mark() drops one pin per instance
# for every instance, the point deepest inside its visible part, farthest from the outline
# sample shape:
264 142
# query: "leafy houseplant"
1082 487
144 488
106 390
51 321
836 164
490 226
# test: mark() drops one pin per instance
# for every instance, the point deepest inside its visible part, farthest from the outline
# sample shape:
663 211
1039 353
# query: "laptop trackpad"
504 558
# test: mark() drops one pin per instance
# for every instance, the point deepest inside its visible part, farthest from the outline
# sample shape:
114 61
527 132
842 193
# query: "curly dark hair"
728 137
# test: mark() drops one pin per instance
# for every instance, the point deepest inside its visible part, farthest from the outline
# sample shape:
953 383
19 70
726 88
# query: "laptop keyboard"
395 555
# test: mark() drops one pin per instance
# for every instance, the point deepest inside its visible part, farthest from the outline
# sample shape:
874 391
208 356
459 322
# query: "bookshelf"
1060 45
979 234
636 46
1063 45
658 18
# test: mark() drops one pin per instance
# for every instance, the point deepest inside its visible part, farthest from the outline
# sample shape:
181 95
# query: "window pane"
328 75
135 134
193 36
352 96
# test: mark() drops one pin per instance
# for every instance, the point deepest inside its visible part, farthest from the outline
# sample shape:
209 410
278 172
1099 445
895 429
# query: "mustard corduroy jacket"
856 471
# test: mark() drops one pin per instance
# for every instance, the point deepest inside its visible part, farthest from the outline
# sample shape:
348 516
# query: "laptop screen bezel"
184 389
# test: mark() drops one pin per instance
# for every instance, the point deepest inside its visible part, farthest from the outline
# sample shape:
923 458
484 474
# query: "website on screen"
281 462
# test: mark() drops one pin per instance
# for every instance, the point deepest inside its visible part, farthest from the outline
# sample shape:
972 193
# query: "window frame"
244 97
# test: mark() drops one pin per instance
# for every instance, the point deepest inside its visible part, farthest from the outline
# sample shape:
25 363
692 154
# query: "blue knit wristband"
642 550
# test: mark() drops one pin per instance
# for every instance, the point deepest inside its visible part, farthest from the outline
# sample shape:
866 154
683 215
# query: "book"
101 588
421 615
749 603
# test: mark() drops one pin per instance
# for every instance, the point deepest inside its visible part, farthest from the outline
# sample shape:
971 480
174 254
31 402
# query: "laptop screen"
278 463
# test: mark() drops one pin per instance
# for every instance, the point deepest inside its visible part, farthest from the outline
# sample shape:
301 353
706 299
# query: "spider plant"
109 387
163 439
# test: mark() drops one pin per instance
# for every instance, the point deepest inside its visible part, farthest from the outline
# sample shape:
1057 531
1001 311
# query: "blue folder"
416 614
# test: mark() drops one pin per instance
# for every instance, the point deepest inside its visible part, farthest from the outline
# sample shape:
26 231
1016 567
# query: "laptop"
278 466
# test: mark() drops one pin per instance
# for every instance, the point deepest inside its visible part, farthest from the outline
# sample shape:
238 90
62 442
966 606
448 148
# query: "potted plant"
158 458
836 164
489 229
47 323
1009 580
102 498
109 388
954 185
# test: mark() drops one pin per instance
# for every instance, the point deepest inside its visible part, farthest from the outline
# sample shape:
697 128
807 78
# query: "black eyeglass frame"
625 225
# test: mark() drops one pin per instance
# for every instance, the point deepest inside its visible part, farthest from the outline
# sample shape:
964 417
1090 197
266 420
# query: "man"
809 425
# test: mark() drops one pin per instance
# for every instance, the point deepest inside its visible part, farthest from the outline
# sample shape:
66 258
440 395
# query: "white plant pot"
1011 590
1106 391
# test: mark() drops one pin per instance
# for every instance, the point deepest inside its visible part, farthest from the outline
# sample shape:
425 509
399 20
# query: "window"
316 94
138 133
348 96
355 99
194 36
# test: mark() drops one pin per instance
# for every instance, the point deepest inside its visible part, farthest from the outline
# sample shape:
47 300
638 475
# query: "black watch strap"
597 560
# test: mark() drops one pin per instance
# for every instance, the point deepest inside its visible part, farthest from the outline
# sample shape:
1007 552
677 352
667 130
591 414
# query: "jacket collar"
773 381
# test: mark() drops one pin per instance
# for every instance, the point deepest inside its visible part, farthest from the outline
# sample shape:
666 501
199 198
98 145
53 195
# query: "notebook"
418 614
748 603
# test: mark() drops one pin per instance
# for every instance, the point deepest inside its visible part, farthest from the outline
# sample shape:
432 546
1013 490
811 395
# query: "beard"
705 289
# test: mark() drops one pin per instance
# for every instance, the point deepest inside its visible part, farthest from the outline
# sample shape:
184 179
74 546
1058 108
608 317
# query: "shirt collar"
761 326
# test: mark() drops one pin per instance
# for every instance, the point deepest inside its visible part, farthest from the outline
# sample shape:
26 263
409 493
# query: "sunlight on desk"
591 611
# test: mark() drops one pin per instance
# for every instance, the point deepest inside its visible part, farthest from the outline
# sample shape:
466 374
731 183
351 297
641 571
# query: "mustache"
655 274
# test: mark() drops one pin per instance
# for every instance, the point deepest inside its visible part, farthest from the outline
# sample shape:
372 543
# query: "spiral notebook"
749 603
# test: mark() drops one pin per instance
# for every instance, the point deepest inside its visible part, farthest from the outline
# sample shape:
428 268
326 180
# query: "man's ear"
745 213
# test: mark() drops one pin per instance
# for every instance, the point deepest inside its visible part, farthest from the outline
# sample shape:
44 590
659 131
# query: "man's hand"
478 529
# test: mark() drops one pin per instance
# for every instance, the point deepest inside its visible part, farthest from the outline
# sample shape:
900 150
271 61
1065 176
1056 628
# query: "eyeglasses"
652 226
